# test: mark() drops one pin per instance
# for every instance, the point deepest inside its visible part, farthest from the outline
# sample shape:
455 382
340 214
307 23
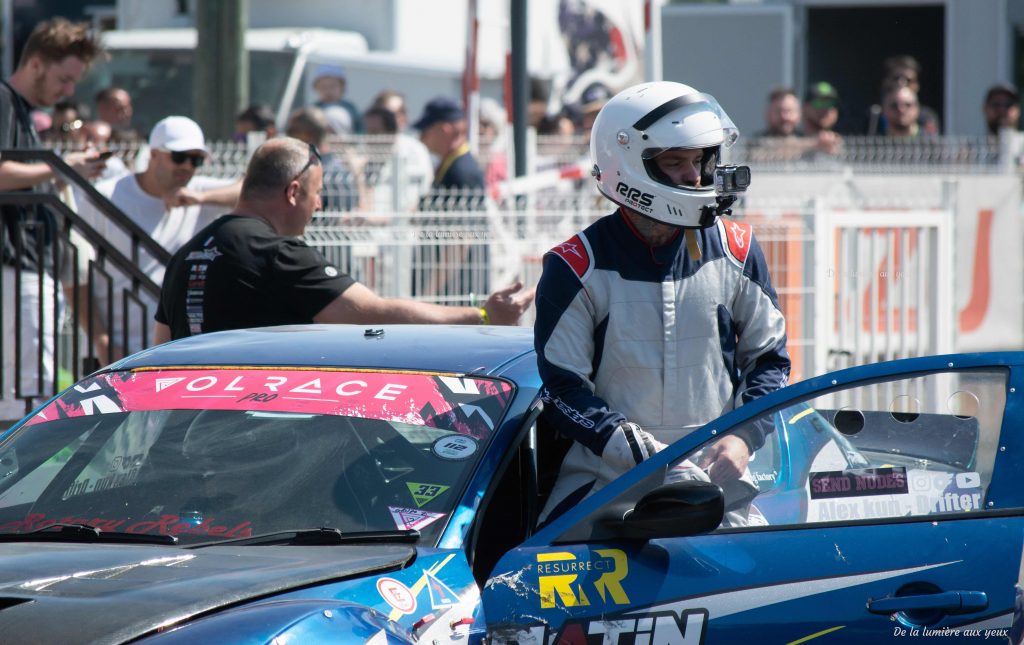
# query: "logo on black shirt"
206 254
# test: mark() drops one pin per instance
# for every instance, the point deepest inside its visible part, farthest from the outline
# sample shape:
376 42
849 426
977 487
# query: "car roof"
446 348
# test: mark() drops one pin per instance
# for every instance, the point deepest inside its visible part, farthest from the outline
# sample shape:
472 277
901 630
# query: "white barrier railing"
468 244
855 286
889 285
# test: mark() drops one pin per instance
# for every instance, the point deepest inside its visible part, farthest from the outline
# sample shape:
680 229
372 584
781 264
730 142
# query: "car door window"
846 472
909 447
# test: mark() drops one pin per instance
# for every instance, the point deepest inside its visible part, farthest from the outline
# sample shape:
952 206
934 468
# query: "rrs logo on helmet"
635 198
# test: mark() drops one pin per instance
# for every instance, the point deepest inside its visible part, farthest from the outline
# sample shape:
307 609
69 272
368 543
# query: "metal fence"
384 227
378 176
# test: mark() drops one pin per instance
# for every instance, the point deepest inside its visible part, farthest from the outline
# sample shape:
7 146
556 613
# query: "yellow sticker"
559 571
423 493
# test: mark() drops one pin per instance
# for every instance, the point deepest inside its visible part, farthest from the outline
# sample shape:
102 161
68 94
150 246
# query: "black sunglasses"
181 157
314 158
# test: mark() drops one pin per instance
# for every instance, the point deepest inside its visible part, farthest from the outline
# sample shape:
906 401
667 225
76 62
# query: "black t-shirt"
238 272
28 229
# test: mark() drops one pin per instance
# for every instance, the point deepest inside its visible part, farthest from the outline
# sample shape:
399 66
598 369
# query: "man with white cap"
167 201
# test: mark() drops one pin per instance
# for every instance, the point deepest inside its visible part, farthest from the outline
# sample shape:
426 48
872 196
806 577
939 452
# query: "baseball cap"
822 94
177 134
437 110
594 98
1004 89
332 71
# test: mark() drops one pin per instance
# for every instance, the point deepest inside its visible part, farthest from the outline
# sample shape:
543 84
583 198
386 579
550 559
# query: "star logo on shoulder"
738 232
569 247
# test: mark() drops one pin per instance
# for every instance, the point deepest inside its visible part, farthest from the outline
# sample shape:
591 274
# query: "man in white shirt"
171 204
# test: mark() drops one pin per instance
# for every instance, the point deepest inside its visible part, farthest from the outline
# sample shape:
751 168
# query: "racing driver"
661 316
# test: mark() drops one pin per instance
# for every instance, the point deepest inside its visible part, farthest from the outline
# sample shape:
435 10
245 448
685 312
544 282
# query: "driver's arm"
564 340
761 353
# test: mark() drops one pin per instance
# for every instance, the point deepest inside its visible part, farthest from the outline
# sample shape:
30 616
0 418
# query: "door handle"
951 602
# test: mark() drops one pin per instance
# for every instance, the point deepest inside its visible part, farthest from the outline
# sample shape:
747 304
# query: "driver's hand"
628 446
725 459
685 470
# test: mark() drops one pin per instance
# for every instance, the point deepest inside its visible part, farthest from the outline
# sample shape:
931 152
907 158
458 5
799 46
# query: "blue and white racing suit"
626 332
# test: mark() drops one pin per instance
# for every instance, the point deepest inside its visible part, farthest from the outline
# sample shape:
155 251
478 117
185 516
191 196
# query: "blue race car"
339 483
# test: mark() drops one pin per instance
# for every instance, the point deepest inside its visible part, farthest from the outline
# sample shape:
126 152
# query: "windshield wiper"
85 533
322 536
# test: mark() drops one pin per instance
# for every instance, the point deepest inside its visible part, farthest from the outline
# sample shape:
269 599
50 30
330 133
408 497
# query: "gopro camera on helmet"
730 180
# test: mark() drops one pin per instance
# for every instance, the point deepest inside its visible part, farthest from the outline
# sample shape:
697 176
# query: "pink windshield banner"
466 405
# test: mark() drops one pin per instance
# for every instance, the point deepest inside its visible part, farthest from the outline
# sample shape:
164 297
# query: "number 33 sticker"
454 447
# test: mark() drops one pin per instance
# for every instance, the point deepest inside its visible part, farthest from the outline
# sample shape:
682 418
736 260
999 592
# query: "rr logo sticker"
559 578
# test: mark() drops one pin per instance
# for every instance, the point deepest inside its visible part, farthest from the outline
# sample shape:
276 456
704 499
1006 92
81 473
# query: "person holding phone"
55 57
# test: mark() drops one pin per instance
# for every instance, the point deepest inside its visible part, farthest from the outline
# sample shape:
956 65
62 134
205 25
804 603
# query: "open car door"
884 505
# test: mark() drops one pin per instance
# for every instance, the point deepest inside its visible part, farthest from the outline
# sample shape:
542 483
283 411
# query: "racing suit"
632 334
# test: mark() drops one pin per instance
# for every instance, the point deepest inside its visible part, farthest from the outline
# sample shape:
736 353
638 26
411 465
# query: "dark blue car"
382 485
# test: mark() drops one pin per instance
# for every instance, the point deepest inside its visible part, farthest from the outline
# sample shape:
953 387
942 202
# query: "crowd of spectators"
368 152
812 129
381 160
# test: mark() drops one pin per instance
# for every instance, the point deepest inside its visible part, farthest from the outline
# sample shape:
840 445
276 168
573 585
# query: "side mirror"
679 509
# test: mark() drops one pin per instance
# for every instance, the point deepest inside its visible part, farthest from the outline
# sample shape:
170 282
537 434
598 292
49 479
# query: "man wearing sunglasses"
820 118
250 269
169 202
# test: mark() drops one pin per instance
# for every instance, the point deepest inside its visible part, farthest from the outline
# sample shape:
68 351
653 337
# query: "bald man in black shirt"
249 269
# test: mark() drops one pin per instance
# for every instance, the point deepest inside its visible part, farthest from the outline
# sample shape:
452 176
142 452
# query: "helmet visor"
689 122
706 168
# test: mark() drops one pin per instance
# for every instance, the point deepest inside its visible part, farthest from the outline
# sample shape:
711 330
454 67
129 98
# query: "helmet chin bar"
708 214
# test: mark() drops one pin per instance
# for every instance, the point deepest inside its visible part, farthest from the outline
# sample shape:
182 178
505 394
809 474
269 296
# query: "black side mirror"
679 509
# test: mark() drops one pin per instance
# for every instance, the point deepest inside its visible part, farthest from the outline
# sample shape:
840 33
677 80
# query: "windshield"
229 453
160 81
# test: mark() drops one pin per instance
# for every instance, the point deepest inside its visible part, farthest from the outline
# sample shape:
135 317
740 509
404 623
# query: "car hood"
113 593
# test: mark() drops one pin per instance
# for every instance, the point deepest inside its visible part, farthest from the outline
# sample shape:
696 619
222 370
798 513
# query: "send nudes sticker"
413 518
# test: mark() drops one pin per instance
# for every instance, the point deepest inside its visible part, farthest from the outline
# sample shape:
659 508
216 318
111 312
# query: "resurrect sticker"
858 482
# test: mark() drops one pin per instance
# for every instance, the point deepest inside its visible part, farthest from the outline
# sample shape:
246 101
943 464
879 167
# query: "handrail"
109 254
116 215
92 235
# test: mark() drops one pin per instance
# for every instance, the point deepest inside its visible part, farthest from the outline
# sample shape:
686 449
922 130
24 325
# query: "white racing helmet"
645 120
